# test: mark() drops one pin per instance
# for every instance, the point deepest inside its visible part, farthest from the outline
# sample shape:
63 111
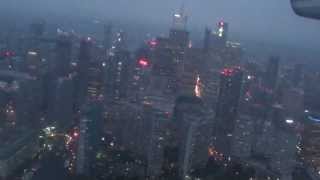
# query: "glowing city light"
289 121
75 134
153 43
177 15
144 62
33 53
197 89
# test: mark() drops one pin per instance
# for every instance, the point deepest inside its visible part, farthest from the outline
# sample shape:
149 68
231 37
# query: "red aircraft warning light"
144 62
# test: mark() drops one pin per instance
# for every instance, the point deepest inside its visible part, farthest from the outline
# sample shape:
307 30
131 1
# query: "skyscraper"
83 70
117 75
227 106
108 36
309 149
216 38
63 56
271 75
96 80
191 135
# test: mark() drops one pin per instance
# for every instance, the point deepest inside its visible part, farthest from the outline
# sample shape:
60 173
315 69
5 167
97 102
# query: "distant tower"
117 75
216 38
63 56
226 112
206 41
108 35
180 20
271 75
120 41
222 31
37 28
83 70
179 35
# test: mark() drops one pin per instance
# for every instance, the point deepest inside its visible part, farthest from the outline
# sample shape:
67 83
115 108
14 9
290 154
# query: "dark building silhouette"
271 75
83 70
227 107
297 74
218 38
63 56
108 36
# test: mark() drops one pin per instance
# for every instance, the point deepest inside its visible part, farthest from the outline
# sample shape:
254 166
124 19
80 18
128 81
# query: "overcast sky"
267 20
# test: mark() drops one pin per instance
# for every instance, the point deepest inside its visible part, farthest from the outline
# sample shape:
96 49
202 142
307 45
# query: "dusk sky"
271 20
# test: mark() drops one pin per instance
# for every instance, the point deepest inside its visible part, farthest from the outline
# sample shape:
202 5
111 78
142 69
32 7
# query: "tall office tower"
107 36
19 112
190 77
297 75
192 134
63 56
206 40
117 75
310 144
37 28
83 70
60 105
32 63
158 139
140 78
96 81
223 29
227 107
91 132
216 39
179 36
120 41
293 103
179 39
271 74
180 20
20 102
283 133
164 71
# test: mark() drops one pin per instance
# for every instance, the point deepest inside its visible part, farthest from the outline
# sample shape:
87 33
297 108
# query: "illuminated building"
271 75
180 20
19 111
227 108
96 80
310 146
190 75
33 63
117 75
216 38
120 41
89 138
140 79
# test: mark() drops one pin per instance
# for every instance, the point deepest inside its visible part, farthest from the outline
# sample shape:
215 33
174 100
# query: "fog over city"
266 20
159 90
